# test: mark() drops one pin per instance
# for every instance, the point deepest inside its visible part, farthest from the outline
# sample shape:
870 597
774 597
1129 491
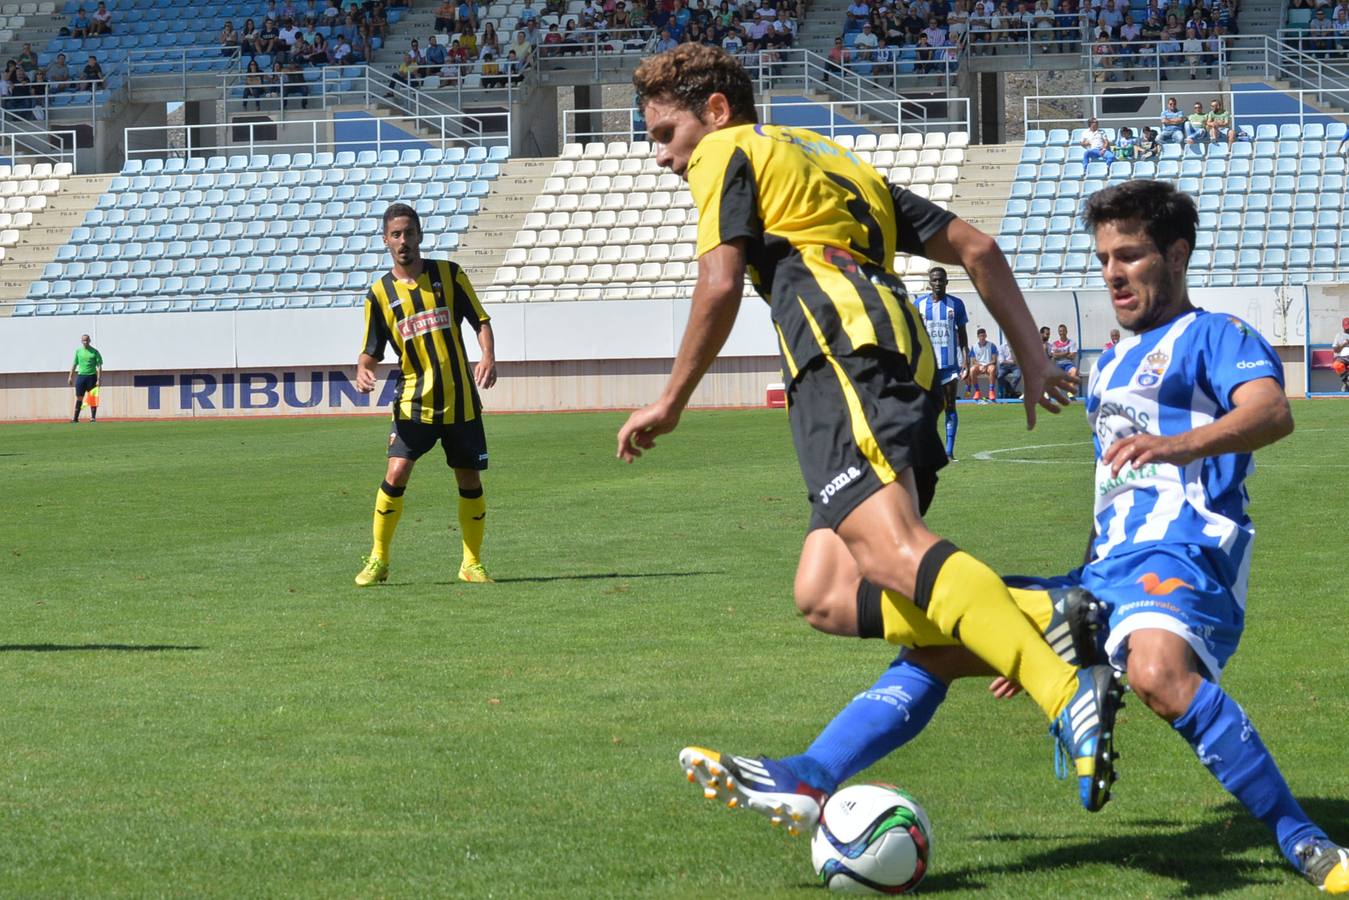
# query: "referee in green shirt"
85 374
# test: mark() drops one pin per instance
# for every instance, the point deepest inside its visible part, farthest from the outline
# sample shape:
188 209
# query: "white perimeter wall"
553 355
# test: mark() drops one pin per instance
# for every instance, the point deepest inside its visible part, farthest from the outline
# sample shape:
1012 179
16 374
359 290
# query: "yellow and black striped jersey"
421 322
822 229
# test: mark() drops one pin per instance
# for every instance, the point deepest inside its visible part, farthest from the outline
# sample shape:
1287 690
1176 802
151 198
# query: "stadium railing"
19 140
188 148
1024 41
177 69
1272 59
1153 61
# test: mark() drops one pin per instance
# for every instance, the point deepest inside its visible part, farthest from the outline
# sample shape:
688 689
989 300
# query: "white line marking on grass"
990 455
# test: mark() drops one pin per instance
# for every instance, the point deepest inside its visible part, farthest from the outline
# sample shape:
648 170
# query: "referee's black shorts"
84 384
858 421
464 443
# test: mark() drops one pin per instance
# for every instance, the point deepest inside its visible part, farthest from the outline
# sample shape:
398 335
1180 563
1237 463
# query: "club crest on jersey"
1154 366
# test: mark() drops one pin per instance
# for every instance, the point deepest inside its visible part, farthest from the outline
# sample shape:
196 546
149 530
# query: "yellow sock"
967 599
908 626
1035 605
388 510
472 523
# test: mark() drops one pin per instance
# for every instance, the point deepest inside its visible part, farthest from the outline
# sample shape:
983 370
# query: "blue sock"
879 720
952 422
1228 746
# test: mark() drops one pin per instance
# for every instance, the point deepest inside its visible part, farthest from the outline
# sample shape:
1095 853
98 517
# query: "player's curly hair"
689 74
1167 214
402 211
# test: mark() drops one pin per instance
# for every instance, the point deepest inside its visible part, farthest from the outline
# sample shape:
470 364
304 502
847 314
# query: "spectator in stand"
254 85
521 47
983 364
79 26
433 58
269 40
408 73
885 61
491 71
468 40
1173 123
28 59
1194 49
1114 339
58 75
362 45
865 44
1196 125
958 23
1219 123
1103 54
445 17
7 84
1130 38
1126 145
1340 25
1064 352
1044 338
1096 144
489 42
340 52
858 13
378 20
1043 25
1320 34
100 23
1148 145
666 42
513 67
981 20
1340 347
295 86
288 35
1170 47
840 58
332 14
248 39
1009 373
733 43
924 56
311 15
1111 18
92 78
457 58
229 40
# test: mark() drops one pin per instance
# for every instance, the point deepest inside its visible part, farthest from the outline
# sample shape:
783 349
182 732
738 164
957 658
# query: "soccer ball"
872 839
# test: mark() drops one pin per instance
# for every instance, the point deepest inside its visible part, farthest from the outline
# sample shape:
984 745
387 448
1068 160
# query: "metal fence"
32 145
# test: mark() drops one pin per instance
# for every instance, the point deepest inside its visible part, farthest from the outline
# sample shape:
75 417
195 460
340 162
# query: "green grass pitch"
195 700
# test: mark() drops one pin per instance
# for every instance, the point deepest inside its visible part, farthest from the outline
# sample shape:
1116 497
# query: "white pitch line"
988 455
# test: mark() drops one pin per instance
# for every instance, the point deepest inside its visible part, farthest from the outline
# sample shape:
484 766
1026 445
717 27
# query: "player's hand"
1003 688
365 380
485 373
643 427
1141 449
1045 385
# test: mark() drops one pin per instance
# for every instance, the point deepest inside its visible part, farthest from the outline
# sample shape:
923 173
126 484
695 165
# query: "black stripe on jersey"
449 288
738 209
376 338
427 342
872 300
412 358
793 270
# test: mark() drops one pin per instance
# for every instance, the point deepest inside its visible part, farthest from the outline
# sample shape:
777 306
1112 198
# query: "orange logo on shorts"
1158 588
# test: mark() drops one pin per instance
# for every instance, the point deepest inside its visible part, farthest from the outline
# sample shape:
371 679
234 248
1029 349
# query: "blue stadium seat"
1050 155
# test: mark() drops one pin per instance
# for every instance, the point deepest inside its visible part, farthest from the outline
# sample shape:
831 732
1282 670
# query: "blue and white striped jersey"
943 318
1166 381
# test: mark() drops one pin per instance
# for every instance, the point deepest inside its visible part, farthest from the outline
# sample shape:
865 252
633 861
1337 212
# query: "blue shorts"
947 374
1176 589
1065 365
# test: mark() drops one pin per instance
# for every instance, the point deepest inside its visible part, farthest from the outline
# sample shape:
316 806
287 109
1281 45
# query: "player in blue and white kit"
946 320
1176 409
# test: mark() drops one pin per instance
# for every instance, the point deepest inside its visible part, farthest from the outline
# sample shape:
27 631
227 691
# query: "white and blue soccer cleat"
758 783
1085 734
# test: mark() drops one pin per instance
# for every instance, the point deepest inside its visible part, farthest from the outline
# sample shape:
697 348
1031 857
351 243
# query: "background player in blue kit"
1176 411
946 319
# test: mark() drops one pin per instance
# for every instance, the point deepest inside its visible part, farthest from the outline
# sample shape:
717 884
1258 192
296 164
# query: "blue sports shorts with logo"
1173 588
858 421
947 374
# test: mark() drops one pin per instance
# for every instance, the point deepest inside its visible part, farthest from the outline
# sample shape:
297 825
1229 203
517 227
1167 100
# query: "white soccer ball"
872 839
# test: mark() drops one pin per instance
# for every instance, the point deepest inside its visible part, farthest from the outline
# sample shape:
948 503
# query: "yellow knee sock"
472 523
388 510
966 599
1035 605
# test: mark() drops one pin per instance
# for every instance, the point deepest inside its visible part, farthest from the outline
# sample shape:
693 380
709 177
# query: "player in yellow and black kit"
417 307
818 229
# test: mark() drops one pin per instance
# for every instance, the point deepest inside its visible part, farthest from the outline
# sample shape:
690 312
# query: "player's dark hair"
1166 214
690 73
401 211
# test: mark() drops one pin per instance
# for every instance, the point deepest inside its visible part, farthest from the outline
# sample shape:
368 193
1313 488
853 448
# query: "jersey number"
874 248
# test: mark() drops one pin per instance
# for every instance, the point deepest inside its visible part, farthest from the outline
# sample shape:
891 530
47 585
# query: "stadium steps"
50 230
493 229
984 185
823 21
37 30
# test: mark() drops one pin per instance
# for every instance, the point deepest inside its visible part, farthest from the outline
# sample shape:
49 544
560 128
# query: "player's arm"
716 301
372 350
365 373
959 243
73 367
485 372
1343 342
1260 416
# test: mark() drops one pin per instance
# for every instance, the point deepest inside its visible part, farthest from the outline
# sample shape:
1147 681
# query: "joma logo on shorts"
838 483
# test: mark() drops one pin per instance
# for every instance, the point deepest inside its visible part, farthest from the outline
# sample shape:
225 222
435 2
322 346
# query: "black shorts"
84 384
858 421
465 444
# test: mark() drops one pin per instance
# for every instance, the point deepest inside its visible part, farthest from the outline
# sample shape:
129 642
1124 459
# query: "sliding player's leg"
1177 624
